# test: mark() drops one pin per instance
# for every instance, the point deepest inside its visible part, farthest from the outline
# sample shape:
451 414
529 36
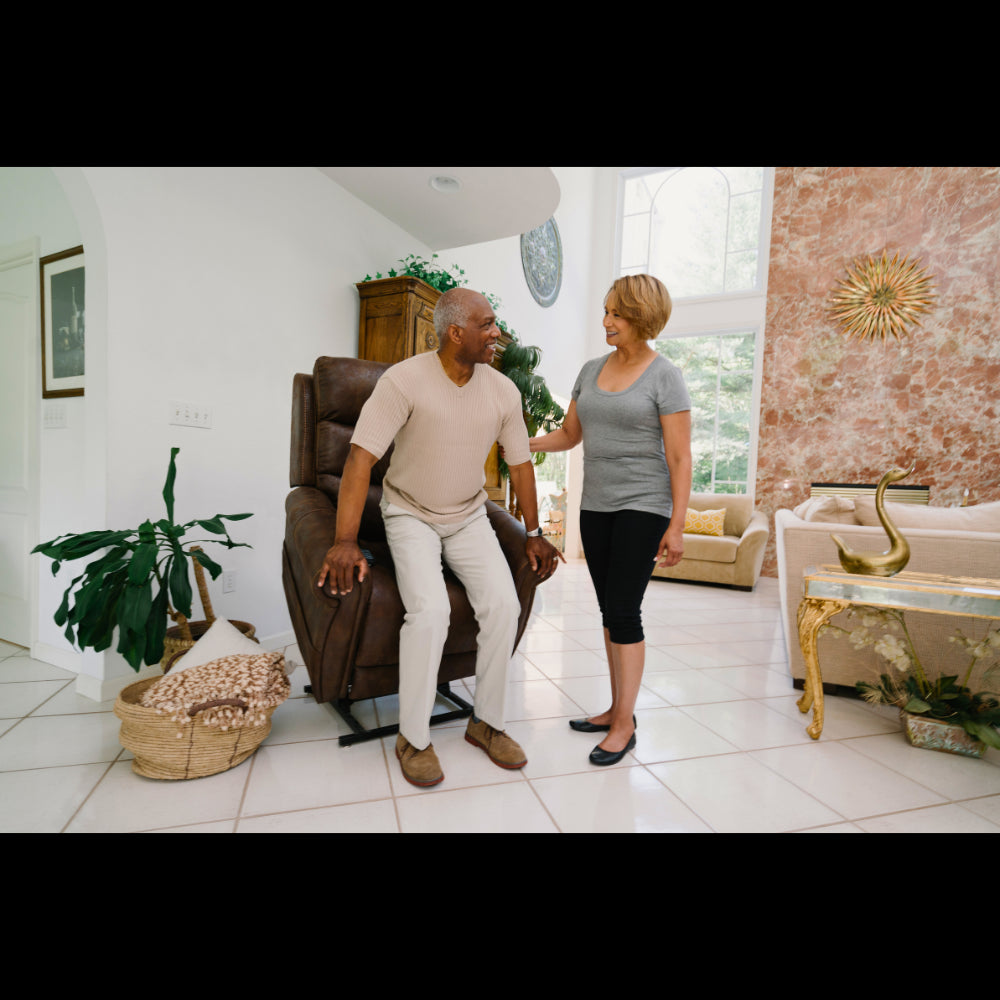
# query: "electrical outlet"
228 581
54 415
189 414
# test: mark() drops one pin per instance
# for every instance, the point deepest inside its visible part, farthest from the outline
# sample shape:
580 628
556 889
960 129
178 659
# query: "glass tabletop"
932 592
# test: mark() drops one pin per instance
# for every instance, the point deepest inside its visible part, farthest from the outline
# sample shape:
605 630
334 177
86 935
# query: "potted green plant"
136 583
939 713
427 271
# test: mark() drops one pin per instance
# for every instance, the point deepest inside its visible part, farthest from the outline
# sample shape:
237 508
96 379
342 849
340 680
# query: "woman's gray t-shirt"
624 465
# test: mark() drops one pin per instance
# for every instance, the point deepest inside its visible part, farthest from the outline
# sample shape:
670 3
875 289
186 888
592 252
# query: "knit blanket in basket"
230 692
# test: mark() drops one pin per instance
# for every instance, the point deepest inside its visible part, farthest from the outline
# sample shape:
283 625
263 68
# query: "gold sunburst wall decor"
881 297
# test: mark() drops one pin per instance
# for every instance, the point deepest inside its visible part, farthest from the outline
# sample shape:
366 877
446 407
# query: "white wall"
33 205
220 284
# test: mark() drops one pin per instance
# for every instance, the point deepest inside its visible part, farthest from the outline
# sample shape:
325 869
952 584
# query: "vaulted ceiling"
445 207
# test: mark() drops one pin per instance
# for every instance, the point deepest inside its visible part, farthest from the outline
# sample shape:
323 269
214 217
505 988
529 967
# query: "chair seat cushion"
709 549
379 643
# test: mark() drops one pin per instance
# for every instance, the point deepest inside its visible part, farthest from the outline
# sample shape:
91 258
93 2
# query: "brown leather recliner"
350 643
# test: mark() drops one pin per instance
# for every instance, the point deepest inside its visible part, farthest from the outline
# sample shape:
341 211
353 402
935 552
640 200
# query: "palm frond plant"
541 412
140 578
909 686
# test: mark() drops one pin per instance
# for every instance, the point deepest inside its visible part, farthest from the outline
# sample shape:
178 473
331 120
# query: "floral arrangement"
908 685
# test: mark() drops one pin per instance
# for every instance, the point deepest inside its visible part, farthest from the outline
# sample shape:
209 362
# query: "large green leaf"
62 612
210 564
168 486
157 628
96 630
100 582
131 645
142 562
180 583
69 547
983 732
136 604
213 524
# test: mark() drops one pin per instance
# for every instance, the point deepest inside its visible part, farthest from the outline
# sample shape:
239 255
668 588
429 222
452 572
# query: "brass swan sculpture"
879 563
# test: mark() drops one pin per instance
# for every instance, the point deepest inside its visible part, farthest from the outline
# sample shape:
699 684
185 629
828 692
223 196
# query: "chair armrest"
758 526
750 551
512 538
509 531
310 530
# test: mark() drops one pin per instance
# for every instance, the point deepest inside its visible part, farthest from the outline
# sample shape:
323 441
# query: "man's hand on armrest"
345 555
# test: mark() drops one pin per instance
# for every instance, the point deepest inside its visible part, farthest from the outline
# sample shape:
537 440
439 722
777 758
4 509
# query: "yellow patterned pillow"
704 522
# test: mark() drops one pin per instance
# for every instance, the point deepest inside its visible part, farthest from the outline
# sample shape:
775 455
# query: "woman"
631 409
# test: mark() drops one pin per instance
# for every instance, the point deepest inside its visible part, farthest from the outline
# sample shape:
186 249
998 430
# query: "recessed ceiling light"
445 184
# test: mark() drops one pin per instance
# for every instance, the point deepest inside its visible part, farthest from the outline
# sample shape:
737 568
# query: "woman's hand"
671 549
566 437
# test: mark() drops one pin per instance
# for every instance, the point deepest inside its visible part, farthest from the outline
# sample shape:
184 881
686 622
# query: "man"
444 410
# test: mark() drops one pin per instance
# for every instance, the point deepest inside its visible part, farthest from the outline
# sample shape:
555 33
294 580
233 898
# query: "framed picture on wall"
64 306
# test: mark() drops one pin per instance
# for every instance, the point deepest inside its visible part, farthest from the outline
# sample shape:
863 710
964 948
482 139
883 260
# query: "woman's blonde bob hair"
642 300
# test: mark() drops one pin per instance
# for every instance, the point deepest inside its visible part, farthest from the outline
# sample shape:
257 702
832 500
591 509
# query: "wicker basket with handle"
162 749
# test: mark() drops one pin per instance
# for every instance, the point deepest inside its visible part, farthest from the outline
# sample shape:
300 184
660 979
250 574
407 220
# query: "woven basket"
201 750
179 639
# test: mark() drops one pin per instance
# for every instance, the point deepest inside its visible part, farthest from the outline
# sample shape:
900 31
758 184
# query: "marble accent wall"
834 409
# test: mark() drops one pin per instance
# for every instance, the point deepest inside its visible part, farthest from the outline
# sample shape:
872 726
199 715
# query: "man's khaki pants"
473 554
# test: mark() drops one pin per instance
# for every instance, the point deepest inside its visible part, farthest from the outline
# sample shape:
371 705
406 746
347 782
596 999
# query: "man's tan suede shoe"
420 767
499 747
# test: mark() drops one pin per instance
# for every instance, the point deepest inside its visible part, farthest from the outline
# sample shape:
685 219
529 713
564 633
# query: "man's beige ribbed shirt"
443 434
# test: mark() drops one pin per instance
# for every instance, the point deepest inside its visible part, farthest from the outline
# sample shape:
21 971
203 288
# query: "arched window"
705 232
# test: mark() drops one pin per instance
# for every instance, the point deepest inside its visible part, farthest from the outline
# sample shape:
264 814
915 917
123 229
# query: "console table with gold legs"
828 590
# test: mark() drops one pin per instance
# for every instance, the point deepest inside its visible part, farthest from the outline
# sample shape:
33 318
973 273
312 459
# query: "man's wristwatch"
537 533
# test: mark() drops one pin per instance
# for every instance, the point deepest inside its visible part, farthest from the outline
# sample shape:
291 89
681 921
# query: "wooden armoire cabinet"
396 322
397 319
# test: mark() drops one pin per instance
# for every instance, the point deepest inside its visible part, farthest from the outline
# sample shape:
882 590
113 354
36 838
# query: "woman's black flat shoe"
586 726
605 757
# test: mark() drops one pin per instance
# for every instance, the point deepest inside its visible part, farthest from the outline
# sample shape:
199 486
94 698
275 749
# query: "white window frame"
728 312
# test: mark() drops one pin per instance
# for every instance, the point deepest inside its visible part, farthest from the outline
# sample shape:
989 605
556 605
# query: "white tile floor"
721 747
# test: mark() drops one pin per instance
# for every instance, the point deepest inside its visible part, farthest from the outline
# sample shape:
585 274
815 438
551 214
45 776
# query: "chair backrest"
325 409
738 506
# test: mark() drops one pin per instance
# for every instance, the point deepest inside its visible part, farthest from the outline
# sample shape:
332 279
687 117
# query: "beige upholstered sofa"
734 557
956 541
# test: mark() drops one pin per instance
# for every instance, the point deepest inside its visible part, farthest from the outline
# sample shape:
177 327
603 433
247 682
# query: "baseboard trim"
108 689
278 641
67 659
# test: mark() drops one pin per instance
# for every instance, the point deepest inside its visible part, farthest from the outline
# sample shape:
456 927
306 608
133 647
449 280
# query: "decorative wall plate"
541 258
881 297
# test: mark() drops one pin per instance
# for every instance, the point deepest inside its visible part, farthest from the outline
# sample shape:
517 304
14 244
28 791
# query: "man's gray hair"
451 308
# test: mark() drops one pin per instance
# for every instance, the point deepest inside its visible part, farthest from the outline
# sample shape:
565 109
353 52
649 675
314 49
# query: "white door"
19 391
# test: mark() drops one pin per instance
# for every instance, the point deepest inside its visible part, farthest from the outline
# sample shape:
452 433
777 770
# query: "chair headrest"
342 386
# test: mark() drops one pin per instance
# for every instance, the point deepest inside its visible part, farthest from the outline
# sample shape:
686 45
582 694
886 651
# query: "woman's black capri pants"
620 548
